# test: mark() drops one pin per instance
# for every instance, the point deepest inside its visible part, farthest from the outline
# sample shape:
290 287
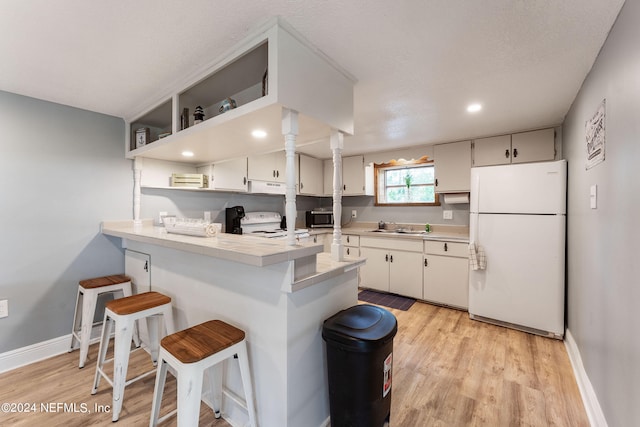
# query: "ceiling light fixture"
259 133
474 108
187 153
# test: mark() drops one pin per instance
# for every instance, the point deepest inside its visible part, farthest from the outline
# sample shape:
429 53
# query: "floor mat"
387 300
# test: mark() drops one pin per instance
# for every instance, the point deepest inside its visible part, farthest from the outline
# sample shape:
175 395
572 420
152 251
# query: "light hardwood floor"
448 371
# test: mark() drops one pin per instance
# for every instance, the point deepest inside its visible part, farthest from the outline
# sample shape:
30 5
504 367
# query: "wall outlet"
4 308
447 214
354 213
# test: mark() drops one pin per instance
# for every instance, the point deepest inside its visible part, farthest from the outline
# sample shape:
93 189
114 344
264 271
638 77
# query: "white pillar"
290 131
137 176
337 144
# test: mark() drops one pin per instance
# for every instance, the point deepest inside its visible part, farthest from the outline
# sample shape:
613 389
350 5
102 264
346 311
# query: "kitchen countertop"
245 249
439 233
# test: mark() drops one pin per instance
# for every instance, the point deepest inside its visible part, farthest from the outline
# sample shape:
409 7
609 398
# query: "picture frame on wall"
595 136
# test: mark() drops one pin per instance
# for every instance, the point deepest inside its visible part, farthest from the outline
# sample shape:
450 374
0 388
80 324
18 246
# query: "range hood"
267 187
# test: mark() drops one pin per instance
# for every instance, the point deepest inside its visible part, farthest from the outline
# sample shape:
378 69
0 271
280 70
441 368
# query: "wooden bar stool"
124 312
191 351
88 292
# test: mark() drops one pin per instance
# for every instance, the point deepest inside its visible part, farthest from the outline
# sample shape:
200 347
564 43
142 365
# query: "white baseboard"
589 398
34 353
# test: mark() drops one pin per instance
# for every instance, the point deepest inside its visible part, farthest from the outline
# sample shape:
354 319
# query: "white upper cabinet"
311 176
244 90
353 175
357 179
453 167
230 175
524 147
535 146
267 167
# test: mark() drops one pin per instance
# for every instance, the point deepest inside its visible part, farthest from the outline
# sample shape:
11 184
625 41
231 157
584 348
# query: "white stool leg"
167 315
189 395
122 348
102 352
126 292
88 311
161 376
153 326
77 317
215 384
245 373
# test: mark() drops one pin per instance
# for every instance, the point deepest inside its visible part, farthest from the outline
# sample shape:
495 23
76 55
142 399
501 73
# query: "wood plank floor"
448 371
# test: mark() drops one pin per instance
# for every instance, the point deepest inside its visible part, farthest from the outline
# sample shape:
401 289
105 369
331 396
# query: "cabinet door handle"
436 182
426 263
445 247
386 258
515 153
244 180
301 186
146 266
391 258
348 251
506 153
344 187
347 239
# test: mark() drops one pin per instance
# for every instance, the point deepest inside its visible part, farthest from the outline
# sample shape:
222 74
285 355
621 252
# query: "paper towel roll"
456 198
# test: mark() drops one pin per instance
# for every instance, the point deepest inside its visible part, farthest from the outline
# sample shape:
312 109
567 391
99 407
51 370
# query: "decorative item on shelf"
198 115
265 82
142 137
226 105
193 180
184 119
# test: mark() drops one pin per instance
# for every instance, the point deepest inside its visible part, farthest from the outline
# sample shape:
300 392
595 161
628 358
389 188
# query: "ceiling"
418 63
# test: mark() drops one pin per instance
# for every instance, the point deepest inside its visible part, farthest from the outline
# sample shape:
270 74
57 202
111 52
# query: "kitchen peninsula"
277 293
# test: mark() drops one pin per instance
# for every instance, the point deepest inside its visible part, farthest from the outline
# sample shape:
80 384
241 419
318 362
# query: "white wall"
62 171
603 265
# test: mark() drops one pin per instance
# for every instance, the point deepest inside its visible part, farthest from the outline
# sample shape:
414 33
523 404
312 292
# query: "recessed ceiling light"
474 108
187 153
259 133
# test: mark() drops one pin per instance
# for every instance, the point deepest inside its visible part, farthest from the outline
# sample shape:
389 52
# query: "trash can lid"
361 327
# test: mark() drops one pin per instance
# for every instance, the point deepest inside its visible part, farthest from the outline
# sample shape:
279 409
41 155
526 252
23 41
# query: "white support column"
337 144
137 176
290 131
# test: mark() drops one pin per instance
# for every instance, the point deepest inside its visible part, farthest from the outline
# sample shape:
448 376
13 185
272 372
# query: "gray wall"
603 268
62 171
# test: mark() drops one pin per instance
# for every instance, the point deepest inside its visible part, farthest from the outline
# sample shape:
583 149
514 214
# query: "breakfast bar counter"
279 295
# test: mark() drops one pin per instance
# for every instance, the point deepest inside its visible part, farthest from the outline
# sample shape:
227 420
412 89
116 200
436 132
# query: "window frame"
379 168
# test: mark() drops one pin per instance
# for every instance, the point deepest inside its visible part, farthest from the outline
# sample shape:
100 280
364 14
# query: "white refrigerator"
518 217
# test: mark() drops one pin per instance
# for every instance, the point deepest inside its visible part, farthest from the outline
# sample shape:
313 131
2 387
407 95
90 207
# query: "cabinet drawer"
446 248
350 240
391 243
351 252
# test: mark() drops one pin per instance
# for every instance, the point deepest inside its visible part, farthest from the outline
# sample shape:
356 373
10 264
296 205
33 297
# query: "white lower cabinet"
351 245
137 266
446 273
393 265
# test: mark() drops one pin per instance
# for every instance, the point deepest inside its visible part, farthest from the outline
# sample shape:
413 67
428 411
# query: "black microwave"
319 219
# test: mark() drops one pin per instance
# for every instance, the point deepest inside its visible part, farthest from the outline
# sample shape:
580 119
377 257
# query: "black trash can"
359 343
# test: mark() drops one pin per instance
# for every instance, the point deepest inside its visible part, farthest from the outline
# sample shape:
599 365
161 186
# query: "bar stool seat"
190 352
124 312
86 301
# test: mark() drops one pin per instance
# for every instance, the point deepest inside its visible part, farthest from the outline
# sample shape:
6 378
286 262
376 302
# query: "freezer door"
523 282
531 188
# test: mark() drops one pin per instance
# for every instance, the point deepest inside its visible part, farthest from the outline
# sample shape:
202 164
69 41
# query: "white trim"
589 398
34 353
